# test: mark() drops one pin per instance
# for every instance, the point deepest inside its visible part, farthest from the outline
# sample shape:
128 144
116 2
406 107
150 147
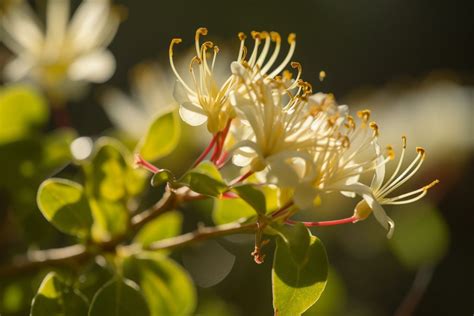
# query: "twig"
200 234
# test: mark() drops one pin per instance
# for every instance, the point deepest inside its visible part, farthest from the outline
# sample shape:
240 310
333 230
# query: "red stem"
241 178
206 151
348 220
139 161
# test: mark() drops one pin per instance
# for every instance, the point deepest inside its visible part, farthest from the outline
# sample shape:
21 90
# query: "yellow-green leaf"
297 286
165 226
161 138
22 111
63 203
119 297
55 297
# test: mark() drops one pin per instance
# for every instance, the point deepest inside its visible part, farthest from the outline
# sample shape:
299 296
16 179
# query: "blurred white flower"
438 114
65 55
151 94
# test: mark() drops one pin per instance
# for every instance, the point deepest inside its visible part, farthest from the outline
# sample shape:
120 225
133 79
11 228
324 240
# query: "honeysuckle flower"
278 128
378 192
205 100
151 94
65 55
342 158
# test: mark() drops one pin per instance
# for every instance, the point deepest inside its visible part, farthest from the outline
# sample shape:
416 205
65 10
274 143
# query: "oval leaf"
161 177
167 287
297 286
55 297
253 196
161 138
205 179
63 204
119 297
165 226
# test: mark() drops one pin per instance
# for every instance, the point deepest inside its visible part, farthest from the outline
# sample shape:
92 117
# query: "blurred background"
410 62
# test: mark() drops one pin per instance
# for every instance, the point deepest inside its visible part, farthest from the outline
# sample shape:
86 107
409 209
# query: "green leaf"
119 297
205 179
161 138
63 203
253 196
22 111
161 177
167 287
165 226
55 297
230 210
108 188
421 236
297 286
297 237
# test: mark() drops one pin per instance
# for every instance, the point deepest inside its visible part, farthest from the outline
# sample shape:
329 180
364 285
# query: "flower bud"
362 210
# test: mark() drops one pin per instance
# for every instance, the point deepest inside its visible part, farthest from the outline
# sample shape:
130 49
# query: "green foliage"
110 183
119 297
161 138
298 284
63 203
22 112
55 297
167 287
421 236
162 177
297 239
205 179
253 196
165 226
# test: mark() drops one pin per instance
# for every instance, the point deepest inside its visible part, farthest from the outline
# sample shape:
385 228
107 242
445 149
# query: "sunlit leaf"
119 297
297 286
161 138
162 177
205 179
297 238
55 297
63 203
230 210
167 287
22 111
165 226
253 196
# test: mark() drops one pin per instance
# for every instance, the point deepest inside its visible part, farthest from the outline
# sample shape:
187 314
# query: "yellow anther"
255 35
201 31
375 127
390 152
242 36
404 142
291 38
287 75
364 115
173 42
421 151
322 75
275 36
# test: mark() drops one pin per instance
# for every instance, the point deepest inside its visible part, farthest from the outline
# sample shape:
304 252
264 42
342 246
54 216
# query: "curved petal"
97 66
192 114
17 69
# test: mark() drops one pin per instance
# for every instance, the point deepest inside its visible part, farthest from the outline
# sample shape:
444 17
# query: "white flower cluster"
65 54
292 137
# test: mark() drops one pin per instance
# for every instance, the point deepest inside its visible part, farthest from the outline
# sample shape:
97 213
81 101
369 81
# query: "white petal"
97 67
192 114
124 113
17 69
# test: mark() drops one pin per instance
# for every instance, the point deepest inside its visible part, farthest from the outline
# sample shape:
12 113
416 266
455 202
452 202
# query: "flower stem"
206 151
140 162
348 220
